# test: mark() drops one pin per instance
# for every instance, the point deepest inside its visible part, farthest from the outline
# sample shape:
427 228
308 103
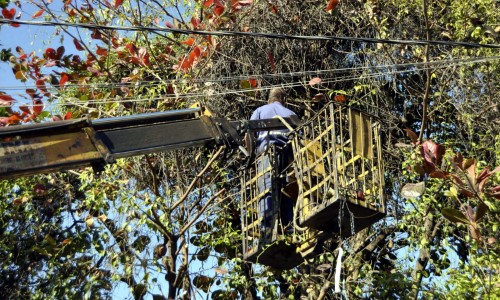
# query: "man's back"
269 111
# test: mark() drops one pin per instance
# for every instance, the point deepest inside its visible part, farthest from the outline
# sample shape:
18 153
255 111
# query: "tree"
165 211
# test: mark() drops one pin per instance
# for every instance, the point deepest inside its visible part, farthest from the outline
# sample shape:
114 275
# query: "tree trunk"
423 257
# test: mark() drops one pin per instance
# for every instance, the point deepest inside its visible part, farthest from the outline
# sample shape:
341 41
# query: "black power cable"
252 34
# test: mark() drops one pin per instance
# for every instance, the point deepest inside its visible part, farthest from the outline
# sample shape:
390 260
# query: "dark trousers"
266 203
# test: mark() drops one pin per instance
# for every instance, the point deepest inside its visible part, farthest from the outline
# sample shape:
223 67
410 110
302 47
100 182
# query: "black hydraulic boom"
56 146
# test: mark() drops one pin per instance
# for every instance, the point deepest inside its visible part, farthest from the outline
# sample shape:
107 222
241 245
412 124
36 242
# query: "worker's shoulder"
280 107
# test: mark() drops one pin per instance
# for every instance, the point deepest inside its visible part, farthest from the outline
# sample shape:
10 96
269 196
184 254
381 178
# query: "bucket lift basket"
262 239
335 179
339 171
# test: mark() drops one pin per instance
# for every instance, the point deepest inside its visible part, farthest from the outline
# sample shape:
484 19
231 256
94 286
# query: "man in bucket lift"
275 107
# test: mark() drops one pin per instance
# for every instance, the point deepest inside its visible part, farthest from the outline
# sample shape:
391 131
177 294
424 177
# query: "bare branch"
202 210
195 180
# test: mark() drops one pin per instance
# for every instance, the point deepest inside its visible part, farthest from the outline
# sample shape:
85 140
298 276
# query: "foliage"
167 225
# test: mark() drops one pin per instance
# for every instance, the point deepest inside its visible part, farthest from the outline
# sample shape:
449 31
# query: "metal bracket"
99 145
228 133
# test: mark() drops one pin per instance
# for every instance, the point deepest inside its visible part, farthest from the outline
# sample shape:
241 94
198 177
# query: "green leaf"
454 215
452 193
245 84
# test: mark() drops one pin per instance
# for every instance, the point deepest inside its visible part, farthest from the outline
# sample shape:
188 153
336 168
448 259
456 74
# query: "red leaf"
219 10
196 22
211 41
31 93
456 179
186 64
37 107
40 84
497 169
25 109
474 232
438 174
457 161
197 52
77 45
72 12
6 100
332 4
339 98
253 82
64 79
472 175
188 42
208 3
60 52
118 3
315 81
466 193
68 115
20 51
432 152
50 53
495 189
9 13
132 49
412 135
318 97
192 56
14 119
40 188
96 35
271 60
38 14
274 8
101 51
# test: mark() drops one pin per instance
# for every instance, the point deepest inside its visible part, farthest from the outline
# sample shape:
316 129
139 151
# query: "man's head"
277 94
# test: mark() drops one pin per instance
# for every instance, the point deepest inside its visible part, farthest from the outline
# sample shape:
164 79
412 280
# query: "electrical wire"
67 102
208 80
250 34
64 102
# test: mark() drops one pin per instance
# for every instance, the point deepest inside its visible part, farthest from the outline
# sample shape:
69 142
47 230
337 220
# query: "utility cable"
138 84
70 102
223 93
250 34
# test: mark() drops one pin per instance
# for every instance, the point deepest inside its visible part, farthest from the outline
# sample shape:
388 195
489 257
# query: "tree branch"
202 210
427 75
195 180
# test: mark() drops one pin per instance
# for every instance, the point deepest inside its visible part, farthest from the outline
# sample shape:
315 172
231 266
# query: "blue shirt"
268 111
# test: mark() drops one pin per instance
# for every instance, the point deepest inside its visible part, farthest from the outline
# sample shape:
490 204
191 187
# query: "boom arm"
63 145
